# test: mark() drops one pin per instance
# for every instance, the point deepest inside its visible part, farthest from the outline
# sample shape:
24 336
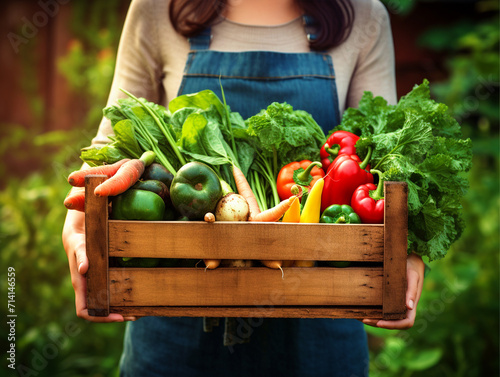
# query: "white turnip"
232 207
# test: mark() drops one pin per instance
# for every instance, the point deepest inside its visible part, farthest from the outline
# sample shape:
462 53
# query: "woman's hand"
73 237
415 274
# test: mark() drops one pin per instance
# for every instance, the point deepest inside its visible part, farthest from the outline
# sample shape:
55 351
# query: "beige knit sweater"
151 55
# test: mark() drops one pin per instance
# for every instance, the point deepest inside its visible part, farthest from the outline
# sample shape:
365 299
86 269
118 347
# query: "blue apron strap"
201 41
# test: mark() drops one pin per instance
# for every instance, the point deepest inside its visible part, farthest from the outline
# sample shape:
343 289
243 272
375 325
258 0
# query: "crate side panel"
96 240
246 240
395 253
255 286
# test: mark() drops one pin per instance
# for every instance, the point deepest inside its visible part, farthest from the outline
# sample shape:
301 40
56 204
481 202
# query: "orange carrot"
77 178
275 213
245 190
75 199
126 176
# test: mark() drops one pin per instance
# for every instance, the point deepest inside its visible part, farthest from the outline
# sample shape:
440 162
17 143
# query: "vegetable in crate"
368 201
77 178
339 214
292 215
158 187
137 205
280 135
312 209
345 174
195 190
126 176
75 200
304 173
138 262
417 141
158 172
232 207
338 143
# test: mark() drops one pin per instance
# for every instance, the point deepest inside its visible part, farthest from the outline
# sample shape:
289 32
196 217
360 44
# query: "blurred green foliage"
456 332
50 339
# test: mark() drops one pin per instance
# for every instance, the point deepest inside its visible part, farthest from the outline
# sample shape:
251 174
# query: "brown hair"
333 18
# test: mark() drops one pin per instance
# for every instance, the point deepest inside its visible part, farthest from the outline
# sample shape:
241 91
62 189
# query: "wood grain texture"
356 312
246 240
254 286
395 250
96 242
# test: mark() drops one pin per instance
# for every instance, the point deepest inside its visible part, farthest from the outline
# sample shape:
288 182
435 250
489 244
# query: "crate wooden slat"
248 240
373 288
256 286
251 311
395 240
96 240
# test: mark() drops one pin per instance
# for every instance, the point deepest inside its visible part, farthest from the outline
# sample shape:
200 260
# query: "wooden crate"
374 287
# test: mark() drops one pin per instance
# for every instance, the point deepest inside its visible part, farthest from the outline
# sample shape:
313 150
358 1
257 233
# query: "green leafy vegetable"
419 142
200 127
280 135
196 127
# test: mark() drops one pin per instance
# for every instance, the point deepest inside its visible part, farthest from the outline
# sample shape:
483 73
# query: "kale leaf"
417 141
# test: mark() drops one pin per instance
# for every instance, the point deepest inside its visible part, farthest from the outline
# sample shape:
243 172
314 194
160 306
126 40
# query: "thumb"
412 290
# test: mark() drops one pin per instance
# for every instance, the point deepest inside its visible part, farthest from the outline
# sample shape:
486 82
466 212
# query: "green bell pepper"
195 190
137 205
138 262
339 214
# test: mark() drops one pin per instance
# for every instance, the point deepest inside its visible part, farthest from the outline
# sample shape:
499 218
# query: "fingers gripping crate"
374 288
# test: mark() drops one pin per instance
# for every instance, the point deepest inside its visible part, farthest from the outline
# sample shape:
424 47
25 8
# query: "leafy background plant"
456 333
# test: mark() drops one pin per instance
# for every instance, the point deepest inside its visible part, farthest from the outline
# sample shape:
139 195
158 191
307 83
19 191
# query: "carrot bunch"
121 176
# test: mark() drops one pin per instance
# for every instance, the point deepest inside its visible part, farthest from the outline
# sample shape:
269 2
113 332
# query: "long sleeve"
138 64
375 66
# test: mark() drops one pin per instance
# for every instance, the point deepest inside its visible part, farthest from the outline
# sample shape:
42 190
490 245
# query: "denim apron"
178 347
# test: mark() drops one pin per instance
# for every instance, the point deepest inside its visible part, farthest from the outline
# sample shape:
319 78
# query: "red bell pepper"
345 174
338 143
304 173
368 202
